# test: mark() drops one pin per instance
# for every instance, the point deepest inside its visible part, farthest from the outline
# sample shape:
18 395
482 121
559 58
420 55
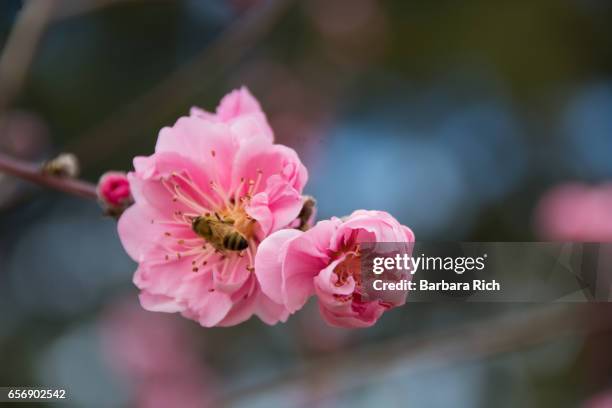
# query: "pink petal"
276 207
245 303
301 264
325 282
159 303
241 111
270 312
231 278
378 226
209 144
269 262
408 234
147 183
256 160
252 126
259 209
350 319
285 202
211 306
237 103
161 278
321 235
201 113
136 232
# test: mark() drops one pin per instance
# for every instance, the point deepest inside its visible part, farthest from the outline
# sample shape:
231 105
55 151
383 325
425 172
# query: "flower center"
349 267
229 206
242 222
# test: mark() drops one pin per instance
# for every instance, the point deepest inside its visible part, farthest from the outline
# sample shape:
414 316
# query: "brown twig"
178 87
32 173
20 47
336 374
72 9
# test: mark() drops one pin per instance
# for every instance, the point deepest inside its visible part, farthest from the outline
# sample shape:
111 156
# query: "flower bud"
64 165
114 192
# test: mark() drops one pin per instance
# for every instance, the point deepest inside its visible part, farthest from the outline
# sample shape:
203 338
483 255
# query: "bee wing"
219 228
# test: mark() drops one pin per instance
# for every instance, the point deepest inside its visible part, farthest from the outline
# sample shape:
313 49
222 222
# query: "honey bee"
220 233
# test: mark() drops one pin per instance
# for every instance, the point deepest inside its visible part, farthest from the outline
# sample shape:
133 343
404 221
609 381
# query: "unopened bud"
307 215
64 165
114 192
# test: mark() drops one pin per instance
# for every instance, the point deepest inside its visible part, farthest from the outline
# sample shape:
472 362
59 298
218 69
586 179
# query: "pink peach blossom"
210 164
157 356
114 189
138 344
576 212
602 400
324 261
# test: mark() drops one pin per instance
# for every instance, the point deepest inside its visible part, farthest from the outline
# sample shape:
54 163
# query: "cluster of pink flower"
575 212
221 230
161 371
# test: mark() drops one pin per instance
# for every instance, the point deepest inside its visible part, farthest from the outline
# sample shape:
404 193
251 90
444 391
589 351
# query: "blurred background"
470 121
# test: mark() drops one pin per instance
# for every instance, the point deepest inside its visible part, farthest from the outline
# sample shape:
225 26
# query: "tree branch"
180 86
332 375
32 173
20 47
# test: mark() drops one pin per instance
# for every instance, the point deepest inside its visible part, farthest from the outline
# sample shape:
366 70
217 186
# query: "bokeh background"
465 120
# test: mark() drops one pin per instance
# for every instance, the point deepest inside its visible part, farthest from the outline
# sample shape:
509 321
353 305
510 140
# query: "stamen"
254 184
189 182
348 268
258 181
188 252
238 192
189 243
183 219
215 187
250 251
179 196
202 258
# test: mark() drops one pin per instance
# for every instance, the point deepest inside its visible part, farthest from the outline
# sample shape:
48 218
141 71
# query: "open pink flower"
210 166
324 261
576 212
168 349
156 356
603 400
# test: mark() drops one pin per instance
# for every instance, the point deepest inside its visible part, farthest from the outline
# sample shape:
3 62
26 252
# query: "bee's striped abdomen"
235 242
